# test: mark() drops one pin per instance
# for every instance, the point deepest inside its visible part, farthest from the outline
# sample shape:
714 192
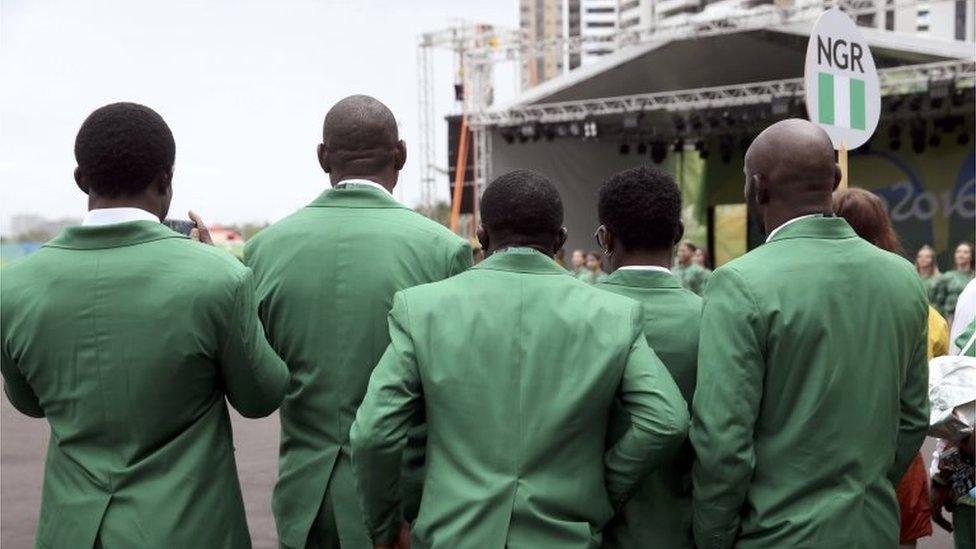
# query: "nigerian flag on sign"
840 101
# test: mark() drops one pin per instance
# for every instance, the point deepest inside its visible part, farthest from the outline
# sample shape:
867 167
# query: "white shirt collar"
109 216
644 268
363 182
794 220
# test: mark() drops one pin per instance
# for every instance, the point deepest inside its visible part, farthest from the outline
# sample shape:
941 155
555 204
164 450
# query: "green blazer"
516 365
946 290
812 392
326 278
127 337
659 514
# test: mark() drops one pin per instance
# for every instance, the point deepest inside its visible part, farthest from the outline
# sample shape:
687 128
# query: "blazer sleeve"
914 421
725 407
15 385
379 433
658 420
255 379
460 260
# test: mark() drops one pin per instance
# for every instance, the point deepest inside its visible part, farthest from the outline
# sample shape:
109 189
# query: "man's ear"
400 155
679 232
323 155
163 182
837 177
80 181
760 189
483 238
560 241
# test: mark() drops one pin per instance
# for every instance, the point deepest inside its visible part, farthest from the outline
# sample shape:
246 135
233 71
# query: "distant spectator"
951 283
578 262
866 214
691 274
592 273
928 269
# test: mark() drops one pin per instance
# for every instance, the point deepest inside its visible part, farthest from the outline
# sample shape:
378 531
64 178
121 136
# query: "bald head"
360 140
793 151
790 171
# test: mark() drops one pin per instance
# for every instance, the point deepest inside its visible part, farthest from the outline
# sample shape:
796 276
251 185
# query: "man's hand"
402 541
199 232
939 498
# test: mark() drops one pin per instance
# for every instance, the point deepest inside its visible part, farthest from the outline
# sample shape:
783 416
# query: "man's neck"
775 220
101 203
661 258
382 181
505 245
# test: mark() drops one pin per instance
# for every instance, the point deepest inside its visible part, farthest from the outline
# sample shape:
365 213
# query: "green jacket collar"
115 235
831 228
355 197
521 260
643 279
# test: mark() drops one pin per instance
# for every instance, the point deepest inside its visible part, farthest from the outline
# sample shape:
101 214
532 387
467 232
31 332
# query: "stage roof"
772 53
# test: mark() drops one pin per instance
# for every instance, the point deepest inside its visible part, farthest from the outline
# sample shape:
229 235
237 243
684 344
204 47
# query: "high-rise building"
599 19
542 20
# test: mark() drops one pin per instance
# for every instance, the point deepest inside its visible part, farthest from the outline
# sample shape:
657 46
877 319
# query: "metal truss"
897 80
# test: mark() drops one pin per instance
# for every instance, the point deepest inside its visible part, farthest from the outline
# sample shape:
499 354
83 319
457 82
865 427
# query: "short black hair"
641 207
522 203
122 147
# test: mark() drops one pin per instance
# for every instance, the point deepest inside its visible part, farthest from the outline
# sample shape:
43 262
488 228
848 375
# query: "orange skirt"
913 503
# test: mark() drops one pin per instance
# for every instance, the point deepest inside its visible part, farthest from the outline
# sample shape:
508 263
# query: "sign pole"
842 162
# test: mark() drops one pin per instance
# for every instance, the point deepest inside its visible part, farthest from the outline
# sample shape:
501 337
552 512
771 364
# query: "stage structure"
706 86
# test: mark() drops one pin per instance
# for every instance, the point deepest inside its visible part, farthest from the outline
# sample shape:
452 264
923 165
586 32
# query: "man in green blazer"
812 375
640 216
326 278
516 364
128 337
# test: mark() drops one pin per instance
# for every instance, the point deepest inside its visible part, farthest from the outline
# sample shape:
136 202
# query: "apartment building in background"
597 21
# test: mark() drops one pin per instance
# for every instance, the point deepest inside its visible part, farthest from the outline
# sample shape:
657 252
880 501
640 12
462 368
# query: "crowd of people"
691 265
426 401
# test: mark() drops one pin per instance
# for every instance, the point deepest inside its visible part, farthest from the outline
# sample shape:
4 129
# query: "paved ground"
22 444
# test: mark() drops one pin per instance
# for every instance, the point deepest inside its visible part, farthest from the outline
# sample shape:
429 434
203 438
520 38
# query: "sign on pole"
843 94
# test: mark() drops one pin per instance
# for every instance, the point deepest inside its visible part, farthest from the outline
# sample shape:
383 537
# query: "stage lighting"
631 121
529 131
624 149
680 125
728 118
696 123
575 130
659 151
642 148
725 148
917 134
780 106
915 103
895 102
508 134
549 132
562 130
590 130
939 90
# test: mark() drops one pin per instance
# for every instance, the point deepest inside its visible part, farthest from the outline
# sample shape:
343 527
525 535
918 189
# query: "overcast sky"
244 86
